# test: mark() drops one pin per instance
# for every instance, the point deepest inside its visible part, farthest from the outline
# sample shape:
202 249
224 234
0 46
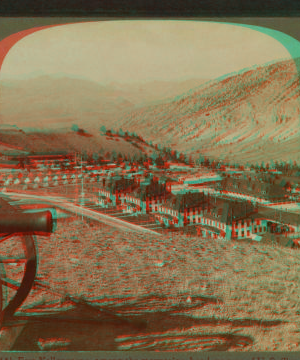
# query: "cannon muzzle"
39 222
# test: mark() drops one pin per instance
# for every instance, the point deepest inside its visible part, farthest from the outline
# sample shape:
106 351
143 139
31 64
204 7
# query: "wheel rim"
23 288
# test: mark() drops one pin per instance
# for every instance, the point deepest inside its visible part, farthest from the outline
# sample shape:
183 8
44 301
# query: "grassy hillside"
195 294
248 116
65 141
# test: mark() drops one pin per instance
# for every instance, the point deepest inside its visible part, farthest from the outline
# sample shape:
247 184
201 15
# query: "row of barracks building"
212 216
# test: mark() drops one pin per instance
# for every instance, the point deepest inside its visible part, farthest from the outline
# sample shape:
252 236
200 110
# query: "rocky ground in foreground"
195 294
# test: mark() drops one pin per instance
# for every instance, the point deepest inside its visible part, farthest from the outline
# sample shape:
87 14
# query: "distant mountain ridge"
250 116
54 102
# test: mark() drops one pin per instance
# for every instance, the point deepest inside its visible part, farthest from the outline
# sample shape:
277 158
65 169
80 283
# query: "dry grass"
242 294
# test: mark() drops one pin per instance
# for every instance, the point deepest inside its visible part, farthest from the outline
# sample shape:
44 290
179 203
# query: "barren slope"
249 116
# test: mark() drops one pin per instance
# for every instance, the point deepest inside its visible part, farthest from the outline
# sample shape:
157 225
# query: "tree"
121 132
103 129
75 128
213 164
95 157
90 159
114 156
206 162
84 155
201 160
174 154
182 157
120 157
22 163
160 162
154 156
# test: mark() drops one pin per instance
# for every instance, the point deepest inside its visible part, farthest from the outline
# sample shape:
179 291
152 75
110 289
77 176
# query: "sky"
140 51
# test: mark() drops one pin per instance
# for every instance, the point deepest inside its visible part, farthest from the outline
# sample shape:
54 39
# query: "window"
243 233
248 233
260 229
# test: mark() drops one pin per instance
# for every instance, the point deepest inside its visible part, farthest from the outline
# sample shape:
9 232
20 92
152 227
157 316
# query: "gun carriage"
22 227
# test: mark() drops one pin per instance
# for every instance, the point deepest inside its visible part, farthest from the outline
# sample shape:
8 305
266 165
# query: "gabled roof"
280 216
227 211
250 187
180 202
170 201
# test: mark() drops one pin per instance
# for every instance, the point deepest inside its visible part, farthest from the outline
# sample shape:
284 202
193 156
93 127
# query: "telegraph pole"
82 193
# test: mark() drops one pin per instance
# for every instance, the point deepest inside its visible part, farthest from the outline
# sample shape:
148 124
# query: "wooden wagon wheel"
21 289
19 227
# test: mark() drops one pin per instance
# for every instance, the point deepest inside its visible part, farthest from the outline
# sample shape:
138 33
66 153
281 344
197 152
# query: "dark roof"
185 201
118 183
281 216
170 201
153 189
226 210
252 187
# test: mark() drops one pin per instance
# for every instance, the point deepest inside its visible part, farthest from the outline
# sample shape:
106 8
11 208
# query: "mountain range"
248 116
49 103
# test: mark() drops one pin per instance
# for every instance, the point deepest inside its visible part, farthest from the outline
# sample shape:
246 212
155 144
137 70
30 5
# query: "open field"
195 294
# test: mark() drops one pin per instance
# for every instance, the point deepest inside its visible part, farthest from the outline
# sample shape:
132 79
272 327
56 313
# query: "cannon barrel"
39 222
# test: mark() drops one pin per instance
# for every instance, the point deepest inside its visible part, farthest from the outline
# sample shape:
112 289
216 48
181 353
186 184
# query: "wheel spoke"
12 260
10 283
4 238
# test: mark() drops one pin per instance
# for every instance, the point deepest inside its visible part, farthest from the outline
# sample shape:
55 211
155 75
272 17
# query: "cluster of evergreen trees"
162 154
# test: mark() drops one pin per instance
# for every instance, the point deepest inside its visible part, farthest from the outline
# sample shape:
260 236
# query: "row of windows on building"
246 223
255 230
